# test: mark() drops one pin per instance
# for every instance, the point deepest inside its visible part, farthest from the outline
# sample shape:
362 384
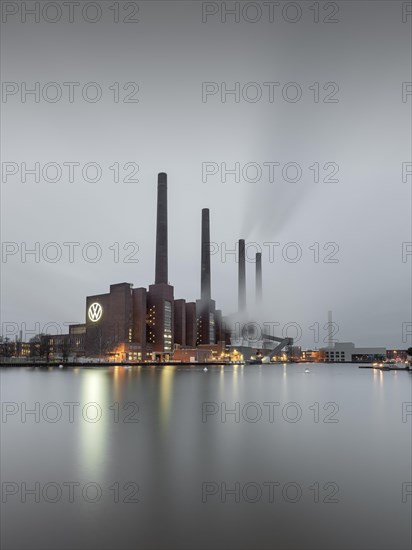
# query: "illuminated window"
167 326
211 328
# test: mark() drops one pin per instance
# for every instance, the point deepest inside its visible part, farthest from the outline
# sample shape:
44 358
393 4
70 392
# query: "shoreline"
175 363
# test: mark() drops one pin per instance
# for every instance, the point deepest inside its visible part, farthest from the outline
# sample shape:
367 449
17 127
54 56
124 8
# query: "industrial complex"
137 324
129 324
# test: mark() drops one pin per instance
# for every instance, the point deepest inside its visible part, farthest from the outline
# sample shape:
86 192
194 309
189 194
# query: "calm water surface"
257 457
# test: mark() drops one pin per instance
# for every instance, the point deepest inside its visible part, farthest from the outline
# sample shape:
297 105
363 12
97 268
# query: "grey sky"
169 53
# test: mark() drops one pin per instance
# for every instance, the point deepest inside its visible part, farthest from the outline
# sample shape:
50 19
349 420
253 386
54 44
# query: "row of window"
167 342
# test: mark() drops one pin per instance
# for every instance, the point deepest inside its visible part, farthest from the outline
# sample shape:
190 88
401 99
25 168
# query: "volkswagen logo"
95 312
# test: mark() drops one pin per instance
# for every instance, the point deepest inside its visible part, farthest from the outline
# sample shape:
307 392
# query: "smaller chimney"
258 278
242 276
330 330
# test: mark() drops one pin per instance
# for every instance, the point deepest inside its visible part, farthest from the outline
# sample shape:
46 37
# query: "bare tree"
6 346
65 349
40 346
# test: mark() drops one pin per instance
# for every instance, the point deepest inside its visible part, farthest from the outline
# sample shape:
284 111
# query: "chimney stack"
161 230
242 276
205 292
258 278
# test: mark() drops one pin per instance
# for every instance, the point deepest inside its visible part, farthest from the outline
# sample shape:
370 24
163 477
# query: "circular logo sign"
95 312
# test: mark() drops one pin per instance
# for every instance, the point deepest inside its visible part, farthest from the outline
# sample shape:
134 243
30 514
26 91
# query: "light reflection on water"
165 394
93 433
169 452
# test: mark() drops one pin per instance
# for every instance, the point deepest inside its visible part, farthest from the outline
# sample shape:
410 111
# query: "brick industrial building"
138 323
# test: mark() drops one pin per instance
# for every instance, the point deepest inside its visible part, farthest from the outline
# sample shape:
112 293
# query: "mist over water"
262 457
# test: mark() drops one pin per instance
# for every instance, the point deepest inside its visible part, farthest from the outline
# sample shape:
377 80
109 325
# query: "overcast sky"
344 117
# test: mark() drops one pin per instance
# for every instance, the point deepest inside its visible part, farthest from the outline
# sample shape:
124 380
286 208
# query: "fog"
315 174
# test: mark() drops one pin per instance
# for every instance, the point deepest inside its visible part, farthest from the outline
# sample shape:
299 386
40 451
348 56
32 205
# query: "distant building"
311 356
346 352
394 353
293 353
192 355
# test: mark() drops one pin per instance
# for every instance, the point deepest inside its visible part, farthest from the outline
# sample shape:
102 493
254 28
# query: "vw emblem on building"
95 312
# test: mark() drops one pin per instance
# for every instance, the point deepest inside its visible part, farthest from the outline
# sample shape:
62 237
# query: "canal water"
175 457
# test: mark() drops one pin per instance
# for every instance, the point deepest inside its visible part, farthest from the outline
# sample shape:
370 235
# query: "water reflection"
95 392
166 375
171 451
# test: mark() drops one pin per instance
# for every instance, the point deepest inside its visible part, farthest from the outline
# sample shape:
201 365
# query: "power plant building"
136 324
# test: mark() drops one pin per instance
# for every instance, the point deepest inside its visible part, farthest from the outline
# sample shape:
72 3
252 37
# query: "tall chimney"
330 330
161 230
258 278
242 276
205 267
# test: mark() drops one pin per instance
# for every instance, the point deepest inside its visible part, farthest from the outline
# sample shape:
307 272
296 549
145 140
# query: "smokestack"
242 276
205 267
161 230
258 278
330 330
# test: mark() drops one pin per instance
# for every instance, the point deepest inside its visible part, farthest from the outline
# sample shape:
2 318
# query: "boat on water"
396 364
258 359
255 361
393 364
